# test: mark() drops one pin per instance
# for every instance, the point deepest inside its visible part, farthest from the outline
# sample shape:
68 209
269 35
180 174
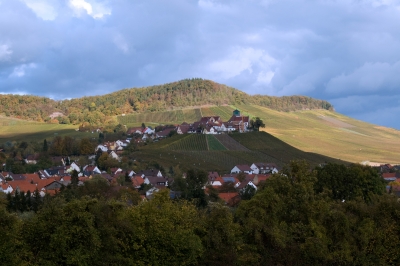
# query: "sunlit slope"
331 134
12 129
317 131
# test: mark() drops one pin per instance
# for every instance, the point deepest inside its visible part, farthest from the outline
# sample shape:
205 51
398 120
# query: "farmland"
21 130
176 116
207 152
315 131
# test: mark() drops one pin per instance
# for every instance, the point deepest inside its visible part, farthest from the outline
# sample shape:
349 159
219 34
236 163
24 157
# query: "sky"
344 51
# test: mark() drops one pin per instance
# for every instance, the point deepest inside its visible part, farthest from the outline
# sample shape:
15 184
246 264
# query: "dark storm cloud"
342 51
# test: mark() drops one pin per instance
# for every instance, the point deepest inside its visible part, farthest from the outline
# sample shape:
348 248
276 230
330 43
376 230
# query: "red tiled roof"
227 197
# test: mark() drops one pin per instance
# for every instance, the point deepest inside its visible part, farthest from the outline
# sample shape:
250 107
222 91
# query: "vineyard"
191 142
230 144
176 116
214 144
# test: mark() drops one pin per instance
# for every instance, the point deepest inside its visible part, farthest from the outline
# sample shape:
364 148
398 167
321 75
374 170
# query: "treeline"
95 110
298 217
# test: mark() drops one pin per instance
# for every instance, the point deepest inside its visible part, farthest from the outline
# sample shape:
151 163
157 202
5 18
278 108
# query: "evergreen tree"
74 178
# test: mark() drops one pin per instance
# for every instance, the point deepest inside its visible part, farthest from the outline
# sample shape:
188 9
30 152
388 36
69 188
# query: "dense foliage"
293 219
95 110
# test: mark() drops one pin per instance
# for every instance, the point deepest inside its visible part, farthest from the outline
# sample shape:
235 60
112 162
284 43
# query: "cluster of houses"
206 125
113 148
50 181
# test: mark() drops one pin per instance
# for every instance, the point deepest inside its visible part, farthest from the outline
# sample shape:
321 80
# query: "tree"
247 192
256 123
86 146
74 178
195 181
349 182
163 232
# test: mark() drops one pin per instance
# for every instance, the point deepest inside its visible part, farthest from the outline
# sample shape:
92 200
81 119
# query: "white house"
264 168
242 169
73 166
114 155
6 188
102 148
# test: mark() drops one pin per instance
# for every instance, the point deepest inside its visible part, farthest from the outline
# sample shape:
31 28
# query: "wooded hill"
185 93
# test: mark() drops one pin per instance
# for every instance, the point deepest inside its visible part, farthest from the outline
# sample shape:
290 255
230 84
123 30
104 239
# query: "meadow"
21 130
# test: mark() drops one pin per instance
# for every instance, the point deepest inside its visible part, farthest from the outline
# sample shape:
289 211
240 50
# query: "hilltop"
96 110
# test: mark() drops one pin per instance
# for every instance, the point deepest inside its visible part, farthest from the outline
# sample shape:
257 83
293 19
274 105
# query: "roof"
239 118
137 181
228 197
244 167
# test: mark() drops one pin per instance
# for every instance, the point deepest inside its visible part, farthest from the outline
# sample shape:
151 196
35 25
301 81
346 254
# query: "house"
58 160
6 188
150 172
260 178
389 177
264 168
165 132
156 181
89 170
101 147
230 198
241 169
31 158
74 166
17 177
151 191
137 181
240 122
22 185
114 155
248 181
135 130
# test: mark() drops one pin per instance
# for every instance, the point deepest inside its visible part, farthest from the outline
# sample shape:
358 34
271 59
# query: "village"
230 186
206 125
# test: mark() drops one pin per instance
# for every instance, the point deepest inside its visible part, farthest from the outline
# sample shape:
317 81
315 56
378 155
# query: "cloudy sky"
343 51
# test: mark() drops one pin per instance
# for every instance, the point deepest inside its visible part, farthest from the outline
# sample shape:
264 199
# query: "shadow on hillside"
48 134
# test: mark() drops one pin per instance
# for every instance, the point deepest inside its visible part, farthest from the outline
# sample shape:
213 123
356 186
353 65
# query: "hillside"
96 110
317 131
222 152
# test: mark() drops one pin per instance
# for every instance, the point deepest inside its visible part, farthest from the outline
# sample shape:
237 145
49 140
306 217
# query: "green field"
20 130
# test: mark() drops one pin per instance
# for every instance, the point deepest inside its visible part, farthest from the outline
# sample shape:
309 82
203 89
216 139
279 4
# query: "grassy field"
323 132
20 130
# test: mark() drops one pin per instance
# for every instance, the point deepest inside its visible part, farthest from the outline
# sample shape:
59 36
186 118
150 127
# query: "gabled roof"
137 181
239 118
244 167
228 197
212 175
17 177
22 185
